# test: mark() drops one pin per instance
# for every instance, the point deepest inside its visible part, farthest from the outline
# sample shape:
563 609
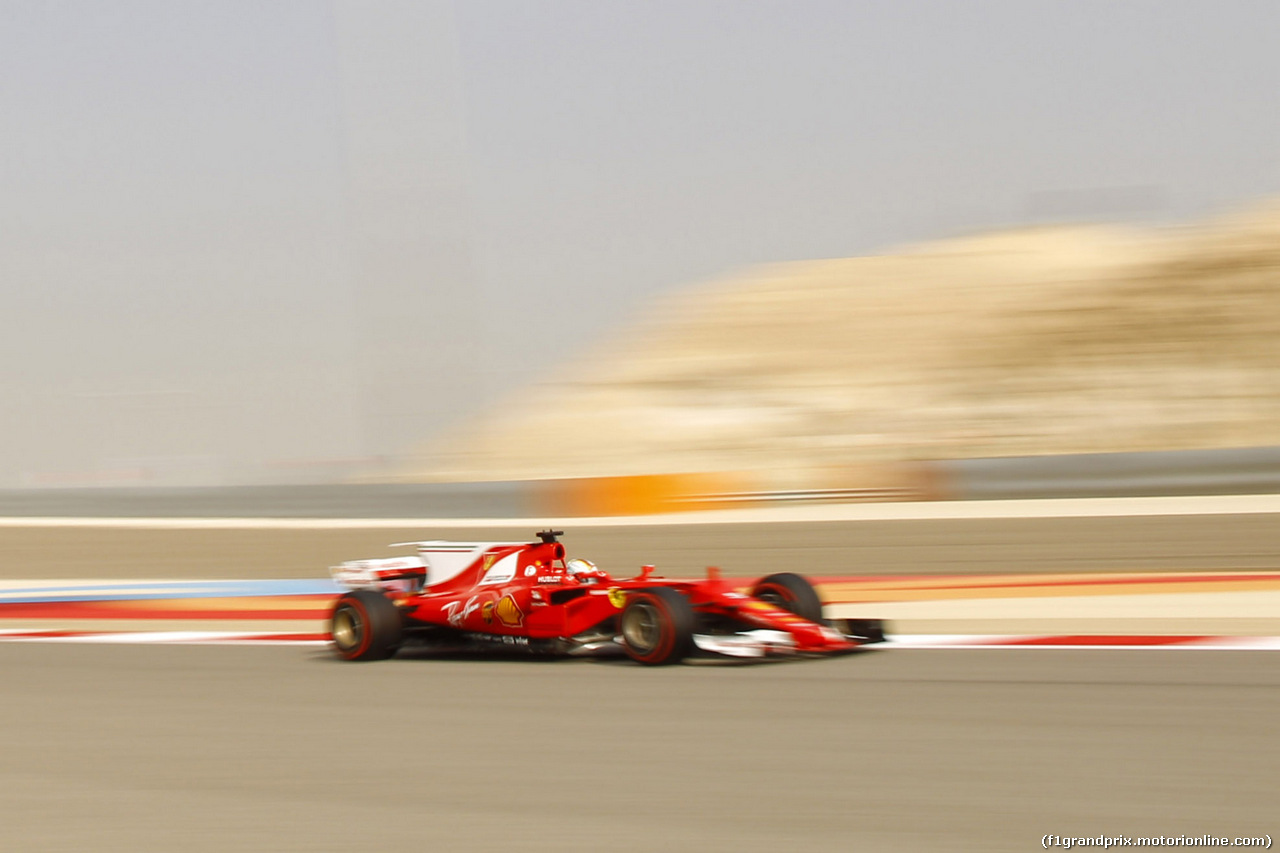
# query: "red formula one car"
517 594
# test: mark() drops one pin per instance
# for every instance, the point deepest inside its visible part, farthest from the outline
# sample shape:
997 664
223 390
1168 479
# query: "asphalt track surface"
284 749
893 547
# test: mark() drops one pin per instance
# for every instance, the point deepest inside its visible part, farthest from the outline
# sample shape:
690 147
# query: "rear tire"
790 592
657 626
365 625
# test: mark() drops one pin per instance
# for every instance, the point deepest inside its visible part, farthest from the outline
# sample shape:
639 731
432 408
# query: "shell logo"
508 612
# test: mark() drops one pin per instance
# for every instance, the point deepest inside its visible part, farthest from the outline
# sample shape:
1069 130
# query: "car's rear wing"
437 561
400 574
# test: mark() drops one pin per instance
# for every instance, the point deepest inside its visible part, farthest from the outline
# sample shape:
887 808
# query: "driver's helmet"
578 566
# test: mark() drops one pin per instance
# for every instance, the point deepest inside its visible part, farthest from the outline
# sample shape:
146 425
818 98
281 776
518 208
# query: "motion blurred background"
312 276
305 242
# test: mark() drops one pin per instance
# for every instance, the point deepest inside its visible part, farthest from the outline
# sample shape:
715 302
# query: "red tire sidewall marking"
366 637
667 638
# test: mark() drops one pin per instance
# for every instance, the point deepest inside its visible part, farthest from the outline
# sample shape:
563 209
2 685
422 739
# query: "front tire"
365 625
865 631
790 592
657 626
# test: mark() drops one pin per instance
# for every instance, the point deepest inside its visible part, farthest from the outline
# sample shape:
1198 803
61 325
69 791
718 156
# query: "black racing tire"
865 631
790 592
365 625
657 626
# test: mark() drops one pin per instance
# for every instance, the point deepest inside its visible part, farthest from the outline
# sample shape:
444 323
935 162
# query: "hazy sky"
240 234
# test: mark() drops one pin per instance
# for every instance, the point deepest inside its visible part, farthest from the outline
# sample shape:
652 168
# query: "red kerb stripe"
1105 640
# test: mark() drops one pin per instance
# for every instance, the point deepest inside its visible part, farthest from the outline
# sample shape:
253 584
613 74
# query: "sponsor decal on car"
458 612
530 571
508 612
503 639
501 571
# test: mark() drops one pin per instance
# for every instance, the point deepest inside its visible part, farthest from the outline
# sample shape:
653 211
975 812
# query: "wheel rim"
347 628
642 627
774 596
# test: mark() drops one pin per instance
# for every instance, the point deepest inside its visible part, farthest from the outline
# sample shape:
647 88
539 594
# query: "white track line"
920 510
1024 641
189 638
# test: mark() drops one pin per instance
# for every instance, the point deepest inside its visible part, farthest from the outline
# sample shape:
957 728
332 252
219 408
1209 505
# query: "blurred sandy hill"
1033 341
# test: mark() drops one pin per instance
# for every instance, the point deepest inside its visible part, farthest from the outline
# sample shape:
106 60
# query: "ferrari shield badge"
617 597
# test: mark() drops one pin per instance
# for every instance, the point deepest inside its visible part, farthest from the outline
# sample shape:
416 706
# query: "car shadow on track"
428 654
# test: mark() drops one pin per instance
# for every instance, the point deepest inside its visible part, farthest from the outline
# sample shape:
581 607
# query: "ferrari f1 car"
517 594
